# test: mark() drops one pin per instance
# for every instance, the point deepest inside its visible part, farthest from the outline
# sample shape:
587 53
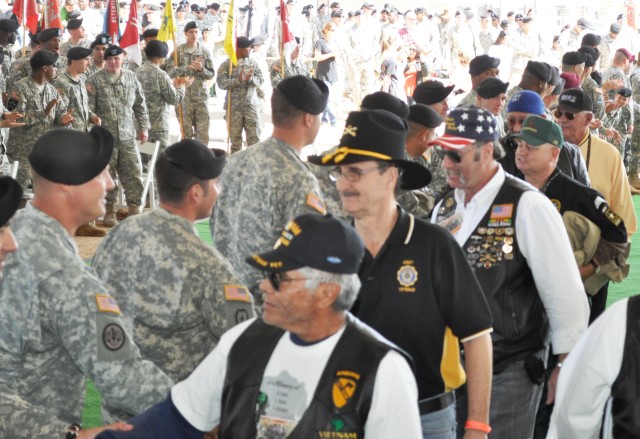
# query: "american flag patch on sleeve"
316 203
107 303
236 292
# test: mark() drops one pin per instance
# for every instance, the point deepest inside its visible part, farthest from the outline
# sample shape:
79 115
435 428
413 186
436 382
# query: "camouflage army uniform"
618 119
9 58
245 103
195 114
92 69
416 202
262 188
64 47
365 46
291 68
525 48
470 98
32 102
74 94
332 202
591 88
22 68
634 156
613 73
120 105
160 94
606 44
181 293
432 160
59 325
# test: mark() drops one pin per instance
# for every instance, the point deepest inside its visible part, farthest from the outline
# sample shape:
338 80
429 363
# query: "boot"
133 210
121 214
634 183
110 217
90 230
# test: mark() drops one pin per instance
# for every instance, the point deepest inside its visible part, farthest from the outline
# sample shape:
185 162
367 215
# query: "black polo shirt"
418 285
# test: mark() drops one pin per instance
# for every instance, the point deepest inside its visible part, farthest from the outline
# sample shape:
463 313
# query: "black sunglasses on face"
558 114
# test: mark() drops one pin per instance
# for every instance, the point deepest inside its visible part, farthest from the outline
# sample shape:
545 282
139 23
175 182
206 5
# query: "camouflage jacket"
74 94
198 90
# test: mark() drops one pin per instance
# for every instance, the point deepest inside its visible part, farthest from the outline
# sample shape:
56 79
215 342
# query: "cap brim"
530 140
274 261
448 141
563 107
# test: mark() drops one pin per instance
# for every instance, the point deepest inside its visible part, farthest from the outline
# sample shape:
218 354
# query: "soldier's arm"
225 80
91 93
60 109
176 70
172 95
207 72
20 98
257 77
140 108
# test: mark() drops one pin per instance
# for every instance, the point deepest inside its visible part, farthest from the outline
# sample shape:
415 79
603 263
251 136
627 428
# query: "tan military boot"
110 217
133 210
90 230
121 214
634 184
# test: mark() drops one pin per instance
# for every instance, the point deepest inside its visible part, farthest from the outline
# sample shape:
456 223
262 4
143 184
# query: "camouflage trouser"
634 155
161 136
363 82
195 120
19 151
125 162
250 122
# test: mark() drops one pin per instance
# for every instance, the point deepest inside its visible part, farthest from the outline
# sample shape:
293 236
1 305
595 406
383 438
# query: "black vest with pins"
625 391
350 373
520 325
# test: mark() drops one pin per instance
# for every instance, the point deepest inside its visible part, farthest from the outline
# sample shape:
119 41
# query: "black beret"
215 6
482 63
504 23
101 39
42 58
424 115
591 55
555 76
376 135
591 40
421 10
156 49
335 5
150 33
190 25
180 9
76 53
431 92
597 76
243 42
71 157
8 25
357 13
491 87
540 70
10 197
615 28
626 92
381 100
74 14
576 100
196 159
309 95
527 20
113 50
573 58
74 23
47 34
258 41
337 13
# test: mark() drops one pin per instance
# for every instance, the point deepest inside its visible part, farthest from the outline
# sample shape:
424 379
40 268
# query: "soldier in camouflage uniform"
589 85
292 66
8 34
608 44
617 123
57 320
193 60
159 91
634 157
267 185
242 88
42 107
179 314
116 96
480 68
78 36
99 47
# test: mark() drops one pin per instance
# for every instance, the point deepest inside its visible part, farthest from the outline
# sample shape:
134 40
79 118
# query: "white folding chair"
152 149
14 169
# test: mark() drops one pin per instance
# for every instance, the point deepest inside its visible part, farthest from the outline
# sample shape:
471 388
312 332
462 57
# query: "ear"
327 293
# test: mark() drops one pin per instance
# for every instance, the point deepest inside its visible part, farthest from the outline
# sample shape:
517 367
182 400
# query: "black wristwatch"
73 431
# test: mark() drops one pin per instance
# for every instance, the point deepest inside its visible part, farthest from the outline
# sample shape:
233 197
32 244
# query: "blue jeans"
440 424
327 114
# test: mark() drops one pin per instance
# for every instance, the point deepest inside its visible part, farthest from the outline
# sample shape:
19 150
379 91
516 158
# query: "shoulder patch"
316 203
237 293
106 303
612 216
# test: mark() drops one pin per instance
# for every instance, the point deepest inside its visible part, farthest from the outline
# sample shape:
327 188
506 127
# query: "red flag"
287 36
52 18
112 20
32 14
130 41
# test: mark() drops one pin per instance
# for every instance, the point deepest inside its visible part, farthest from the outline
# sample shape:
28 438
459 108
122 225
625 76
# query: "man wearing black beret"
434 94
536 76
193 60
43 109
480 68
116 96
99 47
573 62
52 299
48 39
589 85
187 175
266 185
8 35
77 36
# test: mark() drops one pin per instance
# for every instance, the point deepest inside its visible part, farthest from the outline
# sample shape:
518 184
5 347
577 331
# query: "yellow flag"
168 26
230 36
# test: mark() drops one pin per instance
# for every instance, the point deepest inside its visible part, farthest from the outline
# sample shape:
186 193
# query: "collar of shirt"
165 214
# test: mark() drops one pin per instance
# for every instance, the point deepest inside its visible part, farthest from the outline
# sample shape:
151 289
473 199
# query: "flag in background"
168 27
287 36
52 17
31 21
130 41
112 21
230 36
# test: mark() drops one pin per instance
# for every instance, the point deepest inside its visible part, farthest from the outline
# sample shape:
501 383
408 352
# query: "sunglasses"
277 279
558 114
452 155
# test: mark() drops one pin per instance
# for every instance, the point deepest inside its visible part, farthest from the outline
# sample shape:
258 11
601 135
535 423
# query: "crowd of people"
441 272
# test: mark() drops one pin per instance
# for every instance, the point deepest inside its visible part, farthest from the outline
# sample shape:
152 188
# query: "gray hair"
349 285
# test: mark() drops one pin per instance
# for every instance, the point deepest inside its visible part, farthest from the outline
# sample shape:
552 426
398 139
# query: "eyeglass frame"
276 278
356 174
454 155
570 116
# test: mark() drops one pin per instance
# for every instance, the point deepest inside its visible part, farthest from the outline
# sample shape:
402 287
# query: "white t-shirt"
290 381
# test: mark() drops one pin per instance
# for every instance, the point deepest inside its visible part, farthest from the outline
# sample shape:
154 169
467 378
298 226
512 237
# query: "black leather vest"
625 391
520 325
341 403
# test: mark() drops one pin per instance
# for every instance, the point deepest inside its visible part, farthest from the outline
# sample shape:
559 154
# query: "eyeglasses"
558 114
277 278
350 174
454 156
